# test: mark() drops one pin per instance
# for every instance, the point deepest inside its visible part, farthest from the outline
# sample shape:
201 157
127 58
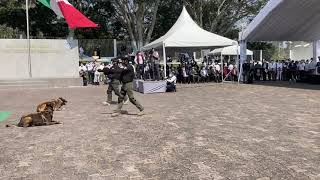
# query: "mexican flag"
74 18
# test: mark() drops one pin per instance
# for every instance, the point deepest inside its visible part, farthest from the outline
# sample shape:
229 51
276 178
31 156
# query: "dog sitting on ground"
55 103
44 118
38 119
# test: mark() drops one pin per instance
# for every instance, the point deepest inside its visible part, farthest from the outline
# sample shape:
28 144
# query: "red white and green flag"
74 18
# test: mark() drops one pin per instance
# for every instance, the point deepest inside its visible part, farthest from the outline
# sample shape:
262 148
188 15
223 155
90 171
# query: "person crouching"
171 83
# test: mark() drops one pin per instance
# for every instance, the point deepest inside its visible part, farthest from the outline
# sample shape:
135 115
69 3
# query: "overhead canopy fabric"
186 33
229 51
285 20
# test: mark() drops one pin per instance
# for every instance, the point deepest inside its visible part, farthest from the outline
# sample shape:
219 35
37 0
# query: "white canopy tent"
186 33
284 20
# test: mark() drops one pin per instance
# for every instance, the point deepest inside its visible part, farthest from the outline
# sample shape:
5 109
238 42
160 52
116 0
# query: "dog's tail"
15 125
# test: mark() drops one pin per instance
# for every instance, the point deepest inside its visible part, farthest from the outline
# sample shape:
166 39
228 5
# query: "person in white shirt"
90 67
171 82
102 76
82 67
279 70
204 74
96 74
217 69
272 70
306 67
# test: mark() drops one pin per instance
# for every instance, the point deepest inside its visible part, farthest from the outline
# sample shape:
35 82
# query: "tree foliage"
139 21
268 49
139 18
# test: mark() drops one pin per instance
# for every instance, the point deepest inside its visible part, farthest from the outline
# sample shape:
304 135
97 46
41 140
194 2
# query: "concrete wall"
49 58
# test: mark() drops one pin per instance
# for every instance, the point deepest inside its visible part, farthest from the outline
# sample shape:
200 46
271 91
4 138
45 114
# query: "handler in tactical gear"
113 74
127 76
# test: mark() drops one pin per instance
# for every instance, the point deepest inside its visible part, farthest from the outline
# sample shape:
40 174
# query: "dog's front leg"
54 122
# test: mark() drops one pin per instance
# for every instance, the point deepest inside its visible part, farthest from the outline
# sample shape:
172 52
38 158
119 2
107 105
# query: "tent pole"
222 66
28 39
243 57
164 60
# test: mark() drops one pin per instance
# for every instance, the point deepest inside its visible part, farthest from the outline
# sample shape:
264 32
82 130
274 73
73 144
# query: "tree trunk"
201 13
148 38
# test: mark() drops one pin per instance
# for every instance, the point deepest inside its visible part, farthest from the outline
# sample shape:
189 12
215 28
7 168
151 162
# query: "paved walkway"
210 131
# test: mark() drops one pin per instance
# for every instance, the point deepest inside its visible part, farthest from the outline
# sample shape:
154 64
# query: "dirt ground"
205 131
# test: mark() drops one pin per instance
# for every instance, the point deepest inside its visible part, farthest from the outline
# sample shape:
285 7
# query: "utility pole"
28 39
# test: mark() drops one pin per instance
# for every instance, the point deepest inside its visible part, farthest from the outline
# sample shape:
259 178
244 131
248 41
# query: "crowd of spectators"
187 70
285 70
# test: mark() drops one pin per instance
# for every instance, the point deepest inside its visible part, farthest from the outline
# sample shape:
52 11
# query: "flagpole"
28 39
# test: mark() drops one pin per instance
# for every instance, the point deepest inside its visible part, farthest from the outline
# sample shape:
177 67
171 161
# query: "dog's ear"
63 100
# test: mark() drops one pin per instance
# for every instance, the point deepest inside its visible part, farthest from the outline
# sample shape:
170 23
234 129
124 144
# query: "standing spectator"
194 75
90 69
96 80
279 70
230 68
264 70
272 70
306 67
301 69
285 70
246 71
292 71
82 74
139 60
234 73
217 68
102 76
155 63
147 71
184 73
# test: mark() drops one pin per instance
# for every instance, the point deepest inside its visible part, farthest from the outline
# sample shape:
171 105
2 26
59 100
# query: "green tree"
269 50
139 18
8 32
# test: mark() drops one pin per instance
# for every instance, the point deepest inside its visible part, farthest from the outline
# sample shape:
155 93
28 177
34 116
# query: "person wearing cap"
113 73
127 76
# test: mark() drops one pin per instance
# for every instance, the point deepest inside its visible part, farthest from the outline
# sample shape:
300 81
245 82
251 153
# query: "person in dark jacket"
113 73
127 76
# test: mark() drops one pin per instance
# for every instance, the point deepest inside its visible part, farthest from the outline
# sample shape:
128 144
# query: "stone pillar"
316 50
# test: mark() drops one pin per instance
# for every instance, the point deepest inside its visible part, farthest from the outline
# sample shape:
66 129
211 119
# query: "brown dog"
38 119
55 103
